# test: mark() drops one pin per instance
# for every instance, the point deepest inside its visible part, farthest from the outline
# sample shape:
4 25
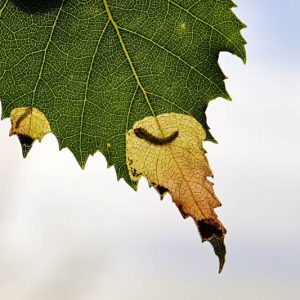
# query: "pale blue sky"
273 31
81 235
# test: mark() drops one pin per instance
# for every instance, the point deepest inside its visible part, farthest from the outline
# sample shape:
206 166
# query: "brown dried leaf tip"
29 124
167 150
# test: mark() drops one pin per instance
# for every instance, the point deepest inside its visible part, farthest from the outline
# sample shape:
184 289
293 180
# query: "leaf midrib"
116 27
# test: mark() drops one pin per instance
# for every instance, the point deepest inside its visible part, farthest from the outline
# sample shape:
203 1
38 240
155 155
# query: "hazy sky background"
68 234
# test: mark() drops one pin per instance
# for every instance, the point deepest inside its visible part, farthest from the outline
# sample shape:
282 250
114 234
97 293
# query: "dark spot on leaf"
208 228
135 173
161 189
26 143
37 6
212 231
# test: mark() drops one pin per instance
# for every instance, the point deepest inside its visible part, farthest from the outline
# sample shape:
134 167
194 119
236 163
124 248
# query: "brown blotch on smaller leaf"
208 228
26 143
161 190
135 173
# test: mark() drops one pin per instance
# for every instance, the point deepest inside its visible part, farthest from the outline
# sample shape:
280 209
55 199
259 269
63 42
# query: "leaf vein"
116 27
209 25
45 53
129 109
3 7
86 93
174 55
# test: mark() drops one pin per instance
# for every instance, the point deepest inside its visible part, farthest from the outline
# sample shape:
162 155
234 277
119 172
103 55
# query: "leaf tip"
219 249
213 231
243 55
82 164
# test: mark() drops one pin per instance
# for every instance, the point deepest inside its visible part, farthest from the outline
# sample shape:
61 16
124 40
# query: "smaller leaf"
29 124
168 151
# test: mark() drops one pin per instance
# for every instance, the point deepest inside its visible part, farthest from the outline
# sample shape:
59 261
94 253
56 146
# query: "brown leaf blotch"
210 227
161 189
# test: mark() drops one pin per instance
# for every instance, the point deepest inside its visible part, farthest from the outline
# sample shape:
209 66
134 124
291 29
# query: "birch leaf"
94 68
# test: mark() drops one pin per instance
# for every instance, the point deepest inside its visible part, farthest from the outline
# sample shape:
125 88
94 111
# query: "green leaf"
94 68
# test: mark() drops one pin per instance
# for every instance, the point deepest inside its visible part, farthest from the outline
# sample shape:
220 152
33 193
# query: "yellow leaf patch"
29 124
168 151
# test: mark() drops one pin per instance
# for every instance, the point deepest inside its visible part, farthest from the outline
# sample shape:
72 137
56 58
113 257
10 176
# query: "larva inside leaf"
145 135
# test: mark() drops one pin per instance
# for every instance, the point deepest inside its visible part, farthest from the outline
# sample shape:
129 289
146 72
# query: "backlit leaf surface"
94 68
